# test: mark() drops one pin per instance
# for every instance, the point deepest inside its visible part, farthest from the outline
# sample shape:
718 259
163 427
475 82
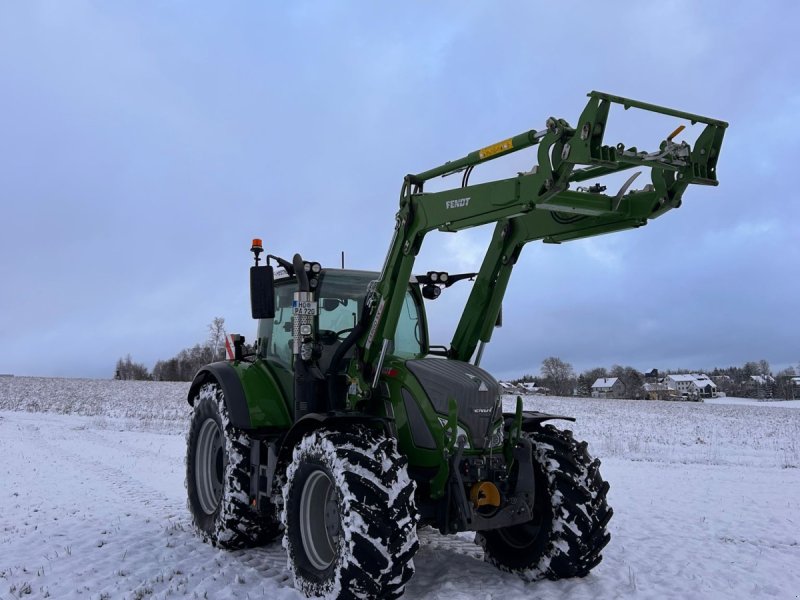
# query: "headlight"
498 436
460 431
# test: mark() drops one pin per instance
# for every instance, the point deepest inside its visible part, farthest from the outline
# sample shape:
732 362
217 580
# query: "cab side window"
407 338
279 339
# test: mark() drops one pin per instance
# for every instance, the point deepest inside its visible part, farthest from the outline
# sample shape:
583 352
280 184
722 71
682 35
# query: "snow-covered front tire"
218 477
568 533
350 522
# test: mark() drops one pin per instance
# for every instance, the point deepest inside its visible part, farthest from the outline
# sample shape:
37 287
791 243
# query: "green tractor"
345 430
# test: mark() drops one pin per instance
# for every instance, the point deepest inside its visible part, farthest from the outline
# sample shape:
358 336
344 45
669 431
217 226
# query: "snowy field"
92 503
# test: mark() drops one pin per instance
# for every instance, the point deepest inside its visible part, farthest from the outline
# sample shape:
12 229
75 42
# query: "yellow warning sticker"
495 149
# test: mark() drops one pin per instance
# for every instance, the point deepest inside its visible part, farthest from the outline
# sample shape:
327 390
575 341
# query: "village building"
608 387
531 387
691 385
658 391
528 387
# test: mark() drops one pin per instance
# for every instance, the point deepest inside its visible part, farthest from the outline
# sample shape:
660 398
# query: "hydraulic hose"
338 356
300 273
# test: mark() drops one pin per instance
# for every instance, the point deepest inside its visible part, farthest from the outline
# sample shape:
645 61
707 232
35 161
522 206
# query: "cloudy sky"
144 144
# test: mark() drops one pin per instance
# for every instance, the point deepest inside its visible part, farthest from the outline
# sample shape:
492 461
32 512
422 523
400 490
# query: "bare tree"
216 338
127 369
167 370
558 375
751 368
184 365
784 386
631 379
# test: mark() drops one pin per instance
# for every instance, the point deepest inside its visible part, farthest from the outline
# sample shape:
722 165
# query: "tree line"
555 374
184 365
560 378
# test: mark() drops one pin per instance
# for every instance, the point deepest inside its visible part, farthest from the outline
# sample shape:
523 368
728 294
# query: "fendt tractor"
343 429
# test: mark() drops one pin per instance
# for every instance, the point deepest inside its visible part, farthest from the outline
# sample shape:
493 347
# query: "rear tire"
218 477
566 537
349 516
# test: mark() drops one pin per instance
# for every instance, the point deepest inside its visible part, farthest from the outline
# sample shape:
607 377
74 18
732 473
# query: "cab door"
275 339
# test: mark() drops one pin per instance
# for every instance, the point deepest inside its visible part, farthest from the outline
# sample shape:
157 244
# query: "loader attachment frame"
534 205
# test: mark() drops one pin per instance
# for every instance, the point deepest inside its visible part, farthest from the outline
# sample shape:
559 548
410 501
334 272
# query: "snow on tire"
349 515
566 537
218 477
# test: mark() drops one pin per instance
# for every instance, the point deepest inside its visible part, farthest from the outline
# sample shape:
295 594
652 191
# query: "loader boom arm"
536 205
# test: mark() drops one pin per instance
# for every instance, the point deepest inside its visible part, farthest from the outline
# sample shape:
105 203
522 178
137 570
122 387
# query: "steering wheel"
328 336
343 333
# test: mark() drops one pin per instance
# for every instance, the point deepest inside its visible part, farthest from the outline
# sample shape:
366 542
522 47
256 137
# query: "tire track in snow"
110 535
112 439
133 493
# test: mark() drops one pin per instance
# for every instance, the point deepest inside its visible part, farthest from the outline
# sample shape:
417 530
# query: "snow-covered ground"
92 503
753 402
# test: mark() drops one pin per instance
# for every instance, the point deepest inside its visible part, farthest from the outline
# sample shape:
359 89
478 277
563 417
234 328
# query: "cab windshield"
340 296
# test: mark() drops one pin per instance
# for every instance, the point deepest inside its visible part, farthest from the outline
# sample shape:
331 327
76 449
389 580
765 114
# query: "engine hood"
475 391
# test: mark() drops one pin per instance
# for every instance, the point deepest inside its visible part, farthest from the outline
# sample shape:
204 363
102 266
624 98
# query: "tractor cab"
323 327
340 296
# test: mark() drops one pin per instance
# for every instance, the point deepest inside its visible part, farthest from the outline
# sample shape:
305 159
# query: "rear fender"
228 379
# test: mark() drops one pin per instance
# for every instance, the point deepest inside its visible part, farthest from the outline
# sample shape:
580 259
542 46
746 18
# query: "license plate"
304 308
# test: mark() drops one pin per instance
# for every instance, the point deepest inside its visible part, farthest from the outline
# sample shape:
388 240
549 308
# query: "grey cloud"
144 147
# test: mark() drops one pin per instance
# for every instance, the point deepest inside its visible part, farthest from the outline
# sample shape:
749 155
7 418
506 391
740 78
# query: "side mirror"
262 292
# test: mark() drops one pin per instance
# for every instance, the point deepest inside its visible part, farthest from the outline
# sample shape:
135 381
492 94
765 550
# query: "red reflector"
391 372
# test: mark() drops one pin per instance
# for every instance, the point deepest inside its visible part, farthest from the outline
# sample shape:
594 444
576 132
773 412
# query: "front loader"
347 429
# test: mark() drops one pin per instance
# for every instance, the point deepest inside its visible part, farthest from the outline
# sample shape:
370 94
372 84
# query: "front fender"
532 419
313 421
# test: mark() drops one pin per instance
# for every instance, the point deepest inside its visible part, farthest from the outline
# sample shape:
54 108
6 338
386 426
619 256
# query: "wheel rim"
208 466
521 536
320 522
